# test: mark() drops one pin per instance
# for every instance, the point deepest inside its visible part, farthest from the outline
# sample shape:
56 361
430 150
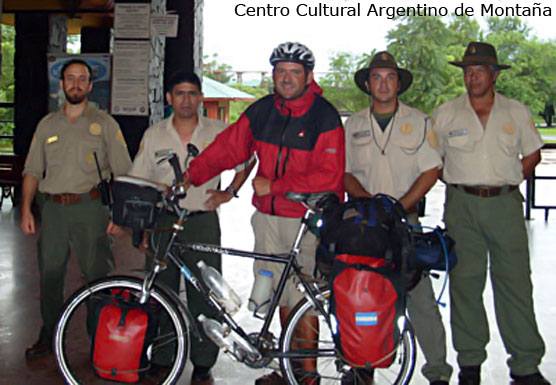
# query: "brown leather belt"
486 191
70 199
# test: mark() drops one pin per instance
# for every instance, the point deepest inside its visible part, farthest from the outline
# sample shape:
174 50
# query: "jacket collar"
300 105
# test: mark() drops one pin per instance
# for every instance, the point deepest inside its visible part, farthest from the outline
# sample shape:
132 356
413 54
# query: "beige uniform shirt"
162 137
492 156
389 162
61 156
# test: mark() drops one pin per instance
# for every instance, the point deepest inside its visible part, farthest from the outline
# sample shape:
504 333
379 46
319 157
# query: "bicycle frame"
289 262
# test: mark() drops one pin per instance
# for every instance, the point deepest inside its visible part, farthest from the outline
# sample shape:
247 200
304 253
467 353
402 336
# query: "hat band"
479 60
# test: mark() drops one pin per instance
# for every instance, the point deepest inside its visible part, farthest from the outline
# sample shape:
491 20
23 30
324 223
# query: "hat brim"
462 64
361 76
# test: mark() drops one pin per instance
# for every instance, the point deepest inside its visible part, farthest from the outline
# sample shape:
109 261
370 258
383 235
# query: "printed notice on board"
164 25
131 21
130 79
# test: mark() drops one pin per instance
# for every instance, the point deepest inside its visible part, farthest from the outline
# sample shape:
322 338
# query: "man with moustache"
61 166
185 126
490 145
387 152
298 139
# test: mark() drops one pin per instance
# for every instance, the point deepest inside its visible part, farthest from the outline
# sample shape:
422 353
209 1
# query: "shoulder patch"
120 138
432 138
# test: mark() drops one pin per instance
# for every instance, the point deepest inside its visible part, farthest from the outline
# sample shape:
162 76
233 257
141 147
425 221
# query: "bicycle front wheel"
72 338
308 351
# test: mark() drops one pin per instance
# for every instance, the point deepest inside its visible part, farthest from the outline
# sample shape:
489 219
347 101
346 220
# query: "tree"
338 84
7 85
216 70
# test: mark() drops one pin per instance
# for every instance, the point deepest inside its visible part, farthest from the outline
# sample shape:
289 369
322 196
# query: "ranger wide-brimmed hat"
478 53
383 60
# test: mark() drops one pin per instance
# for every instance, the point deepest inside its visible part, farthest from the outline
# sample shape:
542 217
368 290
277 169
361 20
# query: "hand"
114 229
217 197
261 186
144 246
27 222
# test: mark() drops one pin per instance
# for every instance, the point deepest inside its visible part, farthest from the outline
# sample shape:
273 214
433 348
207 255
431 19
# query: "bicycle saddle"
317 200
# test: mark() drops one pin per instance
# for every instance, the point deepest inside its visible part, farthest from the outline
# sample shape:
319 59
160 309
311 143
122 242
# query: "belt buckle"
64 199
485 192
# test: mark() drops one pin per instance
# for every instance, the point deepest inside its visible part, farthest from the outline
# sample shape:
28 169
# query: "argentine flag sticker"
366 319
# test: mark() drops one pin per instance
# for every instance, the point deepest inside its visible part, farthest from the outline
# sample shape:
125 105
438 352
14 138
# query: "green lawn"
548 131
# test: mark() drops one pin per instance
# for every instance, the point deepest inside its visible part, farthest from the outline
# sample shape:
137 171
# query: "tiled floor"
19 297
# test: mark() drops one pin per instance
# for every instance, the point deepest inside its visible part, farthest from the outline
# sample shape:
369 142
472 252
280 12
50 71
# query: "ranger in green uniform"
61 165
489 144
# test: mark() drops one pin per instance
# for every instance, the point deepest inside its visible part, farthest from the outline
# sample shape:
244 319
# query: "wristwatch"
231 190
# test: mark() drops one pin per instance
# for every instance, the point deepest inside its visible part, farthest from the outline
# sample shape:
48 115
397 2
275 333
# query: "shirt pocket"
360 150
461 141
86 149
54 152
508 143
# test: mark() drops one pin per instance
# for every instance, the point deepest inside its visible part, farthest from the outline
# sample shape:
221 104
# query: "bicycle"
256 349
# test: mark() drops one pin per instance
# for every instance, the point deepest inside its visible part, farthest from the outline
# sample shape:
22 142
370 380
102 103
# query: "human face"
383 84
185 99
479 80
76 83
290 79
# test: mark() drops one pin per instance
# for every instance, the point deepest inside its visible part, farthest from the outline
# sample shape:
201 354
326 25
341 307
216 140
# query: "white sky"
246 42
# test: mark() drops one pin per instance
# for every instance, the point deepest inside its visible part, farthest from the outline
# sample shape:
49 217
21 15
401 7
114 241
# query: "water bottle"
222 336
224 294
218 333
261 293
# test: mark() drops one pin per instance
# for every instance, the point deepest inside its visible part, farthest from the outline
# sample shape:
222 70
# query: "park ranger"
490 145
387 151
62 166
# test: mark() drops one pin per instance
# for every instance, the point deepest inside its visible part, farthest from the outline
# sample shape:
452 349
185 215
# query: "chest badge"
52 139
406 128
301 134
95 129
509 128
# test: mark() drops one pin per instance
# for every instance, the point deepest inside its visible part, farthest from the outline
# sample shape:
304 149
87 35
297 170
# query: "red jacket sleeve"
327 168
231 147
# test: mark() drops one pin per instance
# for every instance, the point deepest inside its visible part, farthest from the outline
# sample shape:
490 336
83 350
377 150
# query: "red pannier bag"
123 332
365 305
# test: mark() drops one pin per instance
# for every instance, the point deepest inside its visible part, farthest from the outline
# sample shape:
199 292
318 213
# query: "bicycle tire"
330 366
76 370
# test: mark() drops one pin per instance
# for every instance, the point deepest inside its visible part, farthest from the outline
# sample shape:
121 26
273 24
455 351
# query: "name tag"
361 134
52 139
454 133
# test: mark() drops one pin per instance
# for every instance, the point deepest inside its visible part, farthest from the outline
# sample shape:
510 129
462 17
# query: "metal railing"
531 190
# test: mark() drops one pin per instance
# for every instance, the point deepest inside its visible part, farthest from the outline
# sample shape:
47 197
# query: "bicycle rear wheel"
307 334
72 341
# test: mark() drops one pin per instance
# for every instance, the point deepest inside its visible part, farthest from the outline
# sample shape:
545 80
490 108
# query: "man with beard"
184 127
61 165
298 138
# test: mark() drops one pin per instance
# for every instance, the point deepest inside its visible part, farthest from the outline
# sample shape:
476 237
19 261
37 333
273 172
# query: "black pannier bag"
434 250
374 227
366 253
135 205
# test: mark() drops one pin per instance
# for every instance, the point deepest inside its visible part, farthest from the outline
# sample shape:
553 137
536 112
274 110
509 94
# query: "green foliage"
237 108
338 85
7 85
215 70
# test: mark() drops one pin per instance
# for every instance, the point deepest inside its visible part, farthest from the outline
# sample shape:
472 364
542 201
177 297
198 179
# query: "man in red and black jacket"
298 139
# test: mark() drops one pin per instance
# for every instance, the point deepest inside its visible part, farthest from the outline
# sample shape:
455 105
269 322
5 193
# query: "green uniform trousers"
204 228
492 227
83 226
427 324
